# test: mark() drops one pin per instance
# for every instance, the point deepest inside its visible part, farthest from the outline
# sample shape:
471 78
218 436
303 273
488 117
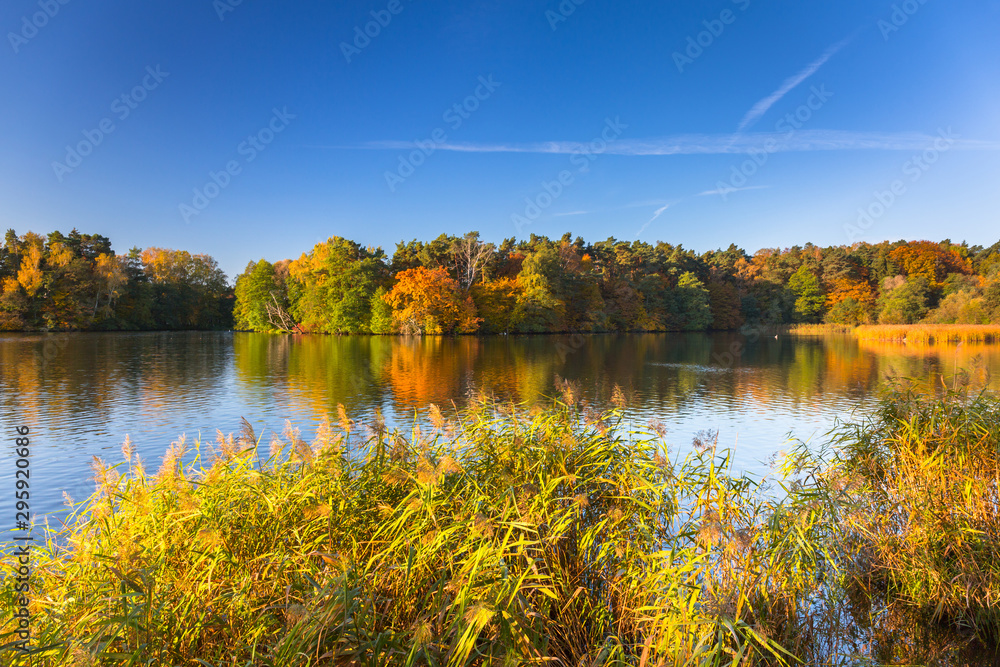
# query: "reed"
917 491
927 334
819 329
499 535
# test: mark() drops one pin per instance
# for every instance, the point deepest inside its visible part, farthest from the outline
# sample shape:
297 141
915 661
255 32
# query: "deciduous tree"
431 301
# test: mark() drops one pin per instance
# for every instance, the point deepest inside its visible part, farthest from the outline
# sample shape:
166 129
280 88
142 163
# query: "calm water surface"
81 394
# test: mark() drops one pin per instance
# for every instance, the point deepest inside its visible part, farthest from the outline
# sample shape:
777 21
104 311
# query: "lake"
81 394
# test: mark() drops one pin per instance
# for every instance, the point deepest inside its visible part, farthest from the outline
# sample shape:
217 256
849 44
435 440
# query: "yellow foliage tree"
30 276
498 302
110 271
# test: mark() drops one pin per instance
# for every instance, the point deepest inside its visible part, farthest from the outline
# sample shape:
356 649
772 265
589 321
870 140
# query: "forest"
464 285
77 282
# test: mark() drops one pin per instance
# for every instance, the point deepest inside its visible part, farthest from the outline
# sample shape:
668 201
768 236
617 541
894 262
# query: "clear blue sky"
684 121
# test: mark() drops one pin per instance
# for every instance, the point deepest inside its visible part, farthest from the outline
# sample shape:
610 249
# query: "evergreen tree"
694 301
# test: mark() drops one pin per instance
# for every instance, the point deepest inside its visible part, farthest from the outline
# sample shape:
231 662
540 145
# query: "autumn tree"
13 300
962 307
851 301
110 277
533 285
188 290
331 288
991 301
77 281
930 261
30 275
431 301
986 261
498 304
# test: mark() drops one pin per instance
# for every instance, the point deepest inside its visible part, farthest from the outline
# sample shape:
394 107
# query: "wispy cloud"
660 211
790 84
726 191
561 215
711 144
646 203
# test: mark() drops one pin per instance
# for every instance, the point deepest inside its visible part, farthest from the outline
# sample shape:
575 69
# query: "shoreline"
897 333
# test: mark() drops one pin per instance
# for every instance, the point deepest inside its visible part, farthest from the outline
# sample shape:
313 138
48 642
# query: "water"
81 394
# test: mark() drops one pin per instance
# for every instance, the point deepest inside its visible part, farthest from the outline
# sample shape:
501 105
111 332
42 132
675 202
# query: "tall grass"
819 329
926 334
499 536
918 493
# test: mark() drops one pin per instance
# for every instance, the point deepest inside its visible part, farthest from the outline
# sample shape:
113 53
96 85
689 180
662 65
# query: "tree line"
77 282
463 285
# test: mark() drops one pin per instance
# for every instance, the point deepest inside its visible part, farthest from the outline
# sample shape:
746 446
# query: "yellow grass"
819 329
502 536
927 334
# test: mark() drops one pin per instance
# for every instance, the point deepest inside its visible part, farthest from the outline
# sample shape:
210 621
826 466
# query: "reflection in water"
82 394
896 634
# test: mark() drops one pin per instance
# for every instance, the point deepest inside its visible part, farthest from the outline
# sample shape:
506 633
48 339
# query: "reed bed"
917 490
927 334
501 536
819 329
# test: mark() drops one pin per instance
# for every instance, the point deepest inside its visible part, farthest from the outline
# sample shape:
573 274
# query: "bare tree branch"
471 256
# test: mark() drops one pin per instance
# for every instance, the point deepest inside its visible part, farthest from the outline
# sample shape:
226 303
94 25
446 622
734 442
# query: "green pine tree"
695 303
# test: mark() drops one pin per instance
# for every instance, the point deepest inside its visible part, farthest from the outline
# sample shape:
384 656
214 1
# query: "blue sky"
646 111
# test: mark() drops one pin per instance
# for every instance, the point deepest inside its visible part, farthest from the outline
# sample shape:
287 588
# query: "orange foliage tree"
851 301
431 301
851 288
929 260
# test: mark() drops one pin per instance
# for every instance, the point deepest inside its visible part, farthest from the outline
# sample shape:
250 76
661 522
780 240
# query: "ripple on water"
155 387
